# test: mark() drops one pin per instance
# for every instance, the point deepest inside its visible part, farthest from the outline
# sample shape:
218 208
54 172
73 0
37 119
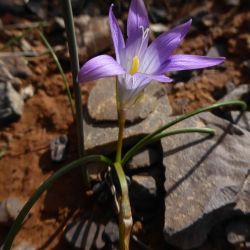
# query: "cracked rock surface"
207 179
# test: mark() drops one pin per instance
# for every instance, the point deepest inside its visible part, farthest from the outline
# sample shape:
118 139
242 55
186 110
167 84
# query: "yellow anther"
135 65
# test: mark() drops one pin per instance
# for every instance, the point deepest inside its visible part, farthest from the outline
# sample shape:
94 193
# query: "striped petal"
117 36
99 67
163 46
137 18
189 62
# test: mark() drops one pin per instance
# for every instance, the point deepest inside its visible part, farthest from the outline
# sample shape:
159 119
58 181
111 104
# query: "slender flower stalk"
125 214
121 125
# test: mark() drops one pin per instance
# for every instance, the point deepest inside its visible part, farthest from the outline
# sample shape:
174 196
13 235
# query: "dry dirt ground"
48 114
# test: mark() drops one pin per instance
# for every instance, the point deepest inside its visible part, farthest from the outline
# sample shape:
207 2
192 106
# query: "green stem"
125 214
45 186
65 81
70 30
121 125
144 140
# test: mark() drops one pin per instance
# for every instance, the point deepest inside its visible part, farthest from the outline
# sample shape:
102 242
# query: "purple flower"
137 63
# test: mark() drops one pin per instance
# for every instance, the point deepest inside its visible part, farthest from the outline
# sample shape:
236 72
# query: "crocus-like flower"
138 63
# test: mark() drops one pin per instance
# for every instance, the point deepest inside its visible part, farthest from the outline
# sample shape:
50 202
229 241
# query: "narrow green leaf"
45 186
65 81
147 138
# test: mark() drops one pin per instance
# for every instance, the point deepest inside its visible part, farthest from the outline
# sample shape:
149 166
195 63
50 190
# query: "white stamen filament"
144 37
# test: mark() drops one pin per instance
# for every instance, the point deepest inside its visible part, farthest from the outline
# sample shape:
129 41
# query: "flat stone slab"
102 137
144 159
238 93
244 121
102 102
207 179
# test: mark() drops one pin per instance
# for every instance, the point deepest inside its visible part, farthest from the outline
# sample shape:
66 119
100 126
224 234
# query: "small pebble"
111 232
9 210
57 147
238 231
86 233
27 92
232 3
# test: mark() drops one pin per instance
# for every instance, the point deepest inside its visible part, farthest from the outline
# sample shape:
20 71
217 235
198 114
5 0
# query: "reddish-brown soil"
48 114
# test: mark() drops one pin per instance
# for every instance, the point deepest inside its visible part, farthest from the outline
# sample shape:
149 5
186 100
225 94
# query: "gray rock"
84 234
206 179
244 119
27 92
203 18
11 102
246 66
5 75
144 159
93 34
16 7
38 7
111 232
17 66
232 3
57 147
9 210
24 246
237 93
216 51
102 137
230 86
4 216
95 230
102 102
143 192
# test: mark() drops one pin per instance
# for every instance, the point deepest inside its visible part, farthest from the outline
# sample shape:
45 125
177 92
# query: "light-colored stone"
102 137
237 93
102 102
244 119
17 66
207 180
93 33
144 159
143 192
11 102
9 210
24 246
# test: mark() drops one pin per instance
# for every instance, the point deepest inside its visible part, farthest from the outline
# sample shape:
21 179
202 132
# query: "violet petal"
117 36
189 62
164 45
98 67
137 18
160 77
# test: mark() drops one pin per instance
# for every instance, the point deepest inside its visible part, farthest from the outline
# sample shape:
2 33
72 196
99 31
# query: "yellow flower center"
135 65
